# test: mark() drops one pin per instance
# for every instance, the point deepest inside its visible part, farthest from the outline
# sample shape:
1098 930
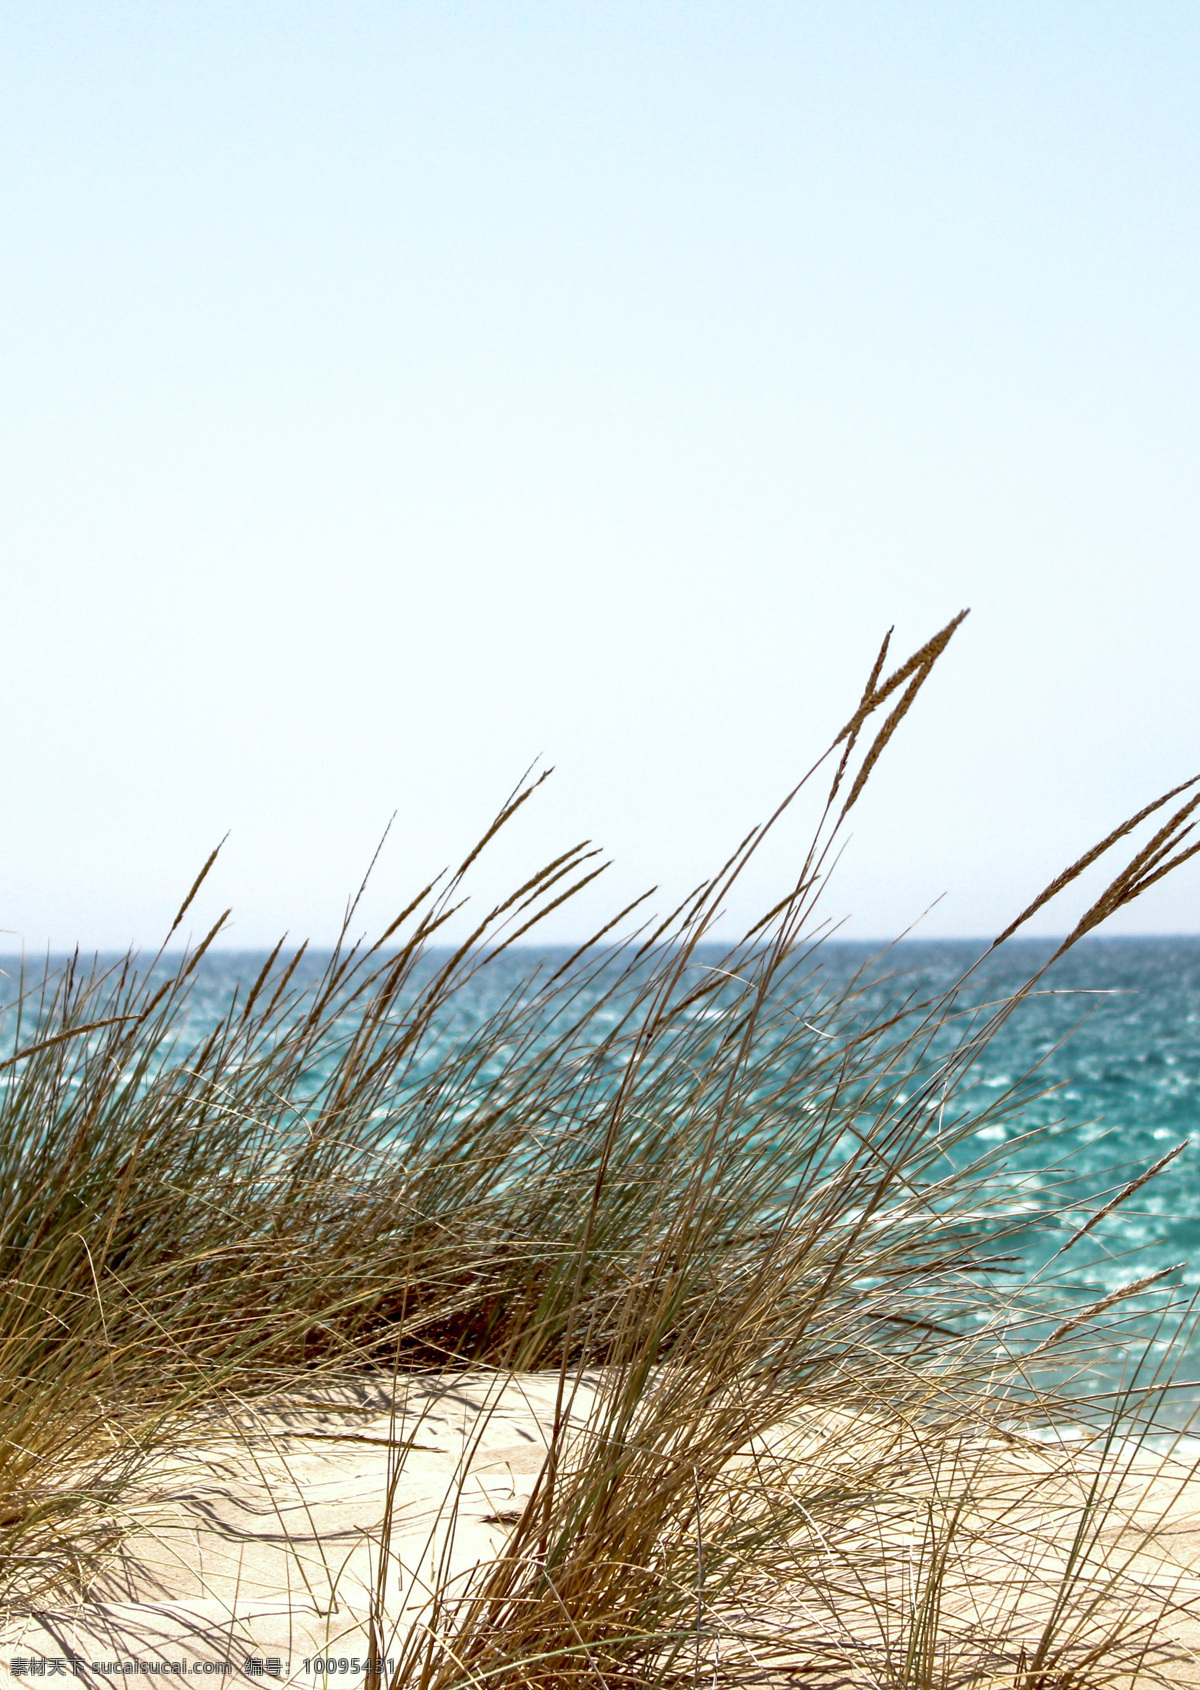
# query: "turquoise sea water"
1112 1039
1113 1036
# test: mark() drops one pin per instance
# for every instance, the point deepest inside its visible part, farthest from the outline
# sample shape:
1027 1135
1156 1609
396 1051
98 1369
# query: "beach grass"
825 1420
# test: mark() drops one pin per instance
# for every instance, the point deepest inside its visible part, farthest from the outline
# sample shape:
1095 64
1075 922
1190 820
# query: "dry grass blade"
195 886
922 659
61 1038
1089 857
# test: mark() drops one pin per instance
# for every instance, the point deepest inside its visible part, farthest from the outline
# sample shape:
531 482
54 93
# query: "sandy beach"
264 1543
255 1550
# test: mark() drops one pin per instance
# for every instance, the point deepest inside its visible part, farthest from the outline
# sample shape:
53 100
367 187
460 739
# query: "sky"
398 393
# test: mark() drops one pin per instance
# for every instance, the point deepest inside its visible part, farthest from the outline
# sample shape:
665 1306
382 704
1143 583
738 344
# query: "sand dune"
263 1543
256 1550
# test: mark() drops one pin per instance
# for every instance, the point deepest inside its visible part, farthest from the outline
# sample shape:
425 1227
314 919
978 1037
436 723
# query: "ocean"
1108 1048
1112 1039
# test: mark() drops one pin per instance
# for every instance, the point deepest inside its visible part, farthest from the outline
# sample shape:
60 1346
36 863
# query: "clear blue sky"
396 392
